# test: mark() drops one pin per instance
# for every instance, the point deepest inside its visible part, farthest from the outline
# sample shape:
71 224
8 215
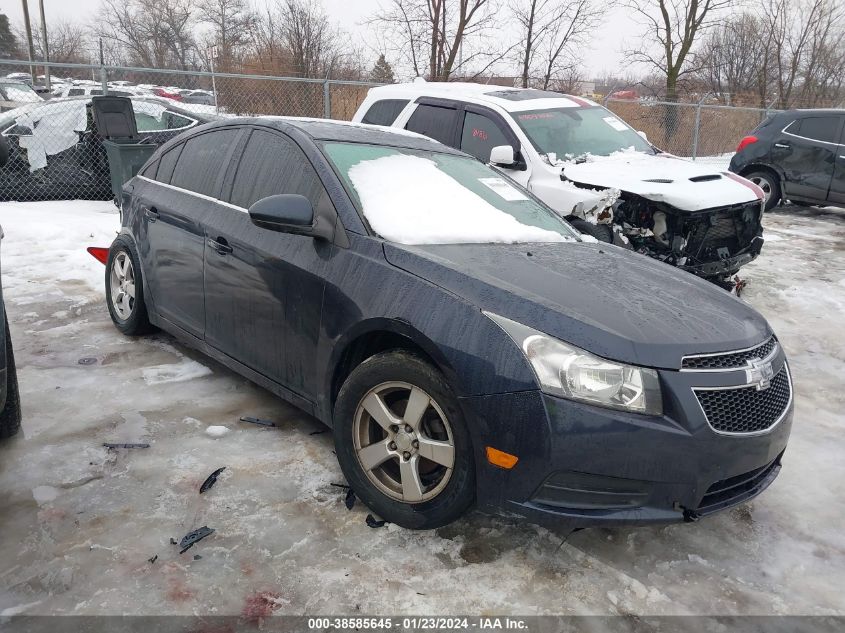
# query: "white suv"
589 166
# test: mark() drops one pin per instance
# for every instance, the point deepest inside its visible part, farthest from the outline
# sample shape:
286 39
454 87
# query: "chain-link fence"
56 154
694 130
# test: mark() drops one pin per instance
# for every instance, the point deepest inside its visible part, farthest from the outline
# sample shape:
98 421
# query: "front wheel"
770 185
402 442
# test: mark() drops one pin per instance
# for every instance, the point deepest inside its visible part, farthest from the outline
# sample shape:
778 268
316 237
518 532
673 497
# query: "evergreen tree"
382 72
8 41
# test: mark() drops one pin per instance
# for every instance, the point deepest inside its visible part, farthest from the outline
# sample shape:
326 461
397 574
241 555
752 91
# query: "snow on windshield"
20 93
409 200
53 128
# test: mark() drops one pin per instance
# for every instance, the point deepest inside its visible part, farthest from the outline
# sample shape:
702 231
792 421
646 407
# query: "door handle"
783 145
151 214
220 245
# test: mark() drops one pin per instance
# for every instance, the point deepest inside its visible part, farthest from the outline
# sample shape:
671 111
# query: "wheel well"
752 168
368 345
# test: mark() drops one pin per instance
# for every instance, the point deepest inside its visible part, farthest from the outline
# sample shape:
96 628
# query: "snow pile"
216 431
408 200
47 242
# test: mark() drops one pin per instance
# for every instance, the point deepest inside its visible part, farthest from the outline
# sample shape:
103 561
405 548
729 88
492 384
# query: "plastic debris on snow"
375 523
211 480
194 537
258 421
350 499
137 445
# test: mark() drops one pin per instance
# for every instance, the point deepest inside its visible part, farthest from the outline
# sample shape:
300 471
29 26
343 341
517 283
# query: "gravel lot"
79 522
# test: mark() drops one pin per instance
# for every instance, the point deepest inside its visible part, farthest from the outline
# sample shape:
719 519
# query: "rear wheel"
10 416
402 442
602 232
770 184
125 289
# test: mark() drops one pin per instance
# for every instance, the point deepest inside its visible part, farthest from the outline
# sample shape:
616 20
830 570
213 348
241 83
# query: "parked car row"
465 343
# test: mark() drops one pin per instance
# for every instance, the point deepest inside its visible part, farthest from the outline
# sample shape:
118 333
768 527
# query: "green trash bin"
125 159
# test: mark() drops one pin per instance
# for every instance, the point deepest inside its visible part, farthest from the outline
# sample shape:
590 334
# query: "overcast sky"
604 54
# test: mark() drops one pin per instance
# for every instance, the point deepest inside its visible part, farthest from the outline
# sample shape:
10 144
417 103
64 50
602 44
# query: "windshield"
19 92
572 132
421 197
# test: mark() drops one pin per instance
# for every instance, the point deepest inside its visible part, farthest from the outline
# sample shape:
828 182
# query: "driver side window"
480 135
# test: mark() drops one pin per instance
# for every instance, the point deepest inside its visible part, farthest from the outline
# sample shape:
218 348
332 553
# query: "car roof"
810 111
345 131
509 99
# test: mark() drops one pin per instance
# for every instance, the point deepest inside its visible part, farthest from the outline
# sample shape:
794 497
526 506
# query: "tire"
769 183
10 416
397 378
602 232
128 313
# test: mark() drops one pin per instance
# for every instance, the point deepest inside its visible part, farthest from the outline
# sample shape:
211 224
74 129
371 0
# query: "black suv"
797 155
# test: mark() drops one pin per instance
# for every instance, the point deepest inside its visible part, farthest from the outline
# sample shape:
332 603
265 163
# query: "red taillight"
748 140
99 253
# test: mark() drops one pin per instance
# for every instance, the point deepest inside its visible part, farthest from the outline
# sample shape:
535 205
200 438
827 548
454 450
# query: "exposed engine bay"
711 243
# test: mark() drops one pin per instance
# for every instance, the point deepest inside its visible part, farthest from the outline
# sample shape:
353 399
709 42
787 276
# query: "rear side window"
818 128
384 112
435 122
202 160
167 163
480 135
150 171
270 165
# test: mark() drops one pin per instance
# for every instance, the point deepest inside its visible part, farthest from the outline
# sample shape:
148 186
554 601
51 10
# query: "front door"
263 288
806 151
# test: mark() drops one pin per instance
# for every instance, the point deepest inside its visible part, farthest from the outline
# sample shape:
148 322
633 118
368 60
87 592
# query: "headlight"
566 371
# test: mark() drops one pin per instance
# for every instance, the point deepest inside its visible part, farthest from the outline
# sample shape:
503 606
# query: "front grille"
736 489
730 228
730 360
746 409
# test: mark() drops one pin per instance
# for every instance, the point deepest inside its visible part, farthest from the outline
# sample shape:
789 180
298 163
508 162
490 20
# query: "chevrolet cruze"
464 343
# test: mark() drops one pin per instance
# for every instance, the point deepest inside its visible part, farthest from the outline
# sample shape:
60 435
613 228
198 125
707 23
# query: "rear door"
173 209
437 119
264 289
806 151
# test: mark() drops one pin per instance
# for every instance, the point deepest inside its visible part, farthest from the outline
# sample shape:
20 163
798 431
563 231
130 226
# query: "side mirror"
502 155
643 134
289 213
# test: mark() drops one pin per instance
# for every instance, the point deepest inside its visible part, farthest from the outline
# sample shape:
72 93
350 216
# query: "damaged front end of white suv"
704 221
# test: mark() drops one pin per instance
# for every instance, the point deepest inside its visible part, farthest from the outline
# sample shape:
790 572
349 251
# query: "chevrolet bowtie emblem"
760 374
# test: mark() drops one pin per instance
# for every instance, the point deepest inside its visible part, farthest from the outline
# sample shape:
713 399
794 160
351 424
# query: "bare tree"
551 30
152 33
233 24
436 37
674 25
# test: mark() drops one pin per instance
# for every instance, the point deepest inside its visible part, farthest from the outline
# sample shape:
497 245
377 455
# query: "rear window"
435 122
384 112
167 163
202 160
817 128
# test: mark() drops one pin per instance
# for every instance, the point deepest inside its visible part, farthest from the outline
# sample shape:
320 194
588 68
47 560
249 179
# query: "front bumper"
584 466
729 265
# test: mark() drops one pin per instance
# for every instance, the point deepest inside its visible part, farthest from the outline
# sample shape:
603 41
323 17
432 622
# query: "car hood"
599 297
684 184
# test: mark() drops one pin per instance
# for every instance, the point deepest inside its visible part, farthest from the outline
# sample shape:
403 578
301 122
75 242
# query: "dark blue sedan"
463 342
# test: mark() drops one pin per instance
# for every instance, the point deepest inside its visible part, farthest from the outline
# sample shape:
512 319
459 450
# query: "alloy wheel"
403 442
122 285
765 185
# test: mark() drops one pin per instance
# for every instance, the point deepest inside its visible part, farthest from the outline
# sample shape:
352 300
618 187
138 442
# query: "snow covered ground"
79 523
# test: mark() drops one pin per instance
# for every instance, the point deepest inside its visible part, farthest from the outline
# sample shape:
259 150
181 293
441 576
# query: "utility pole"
29 40
46 46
